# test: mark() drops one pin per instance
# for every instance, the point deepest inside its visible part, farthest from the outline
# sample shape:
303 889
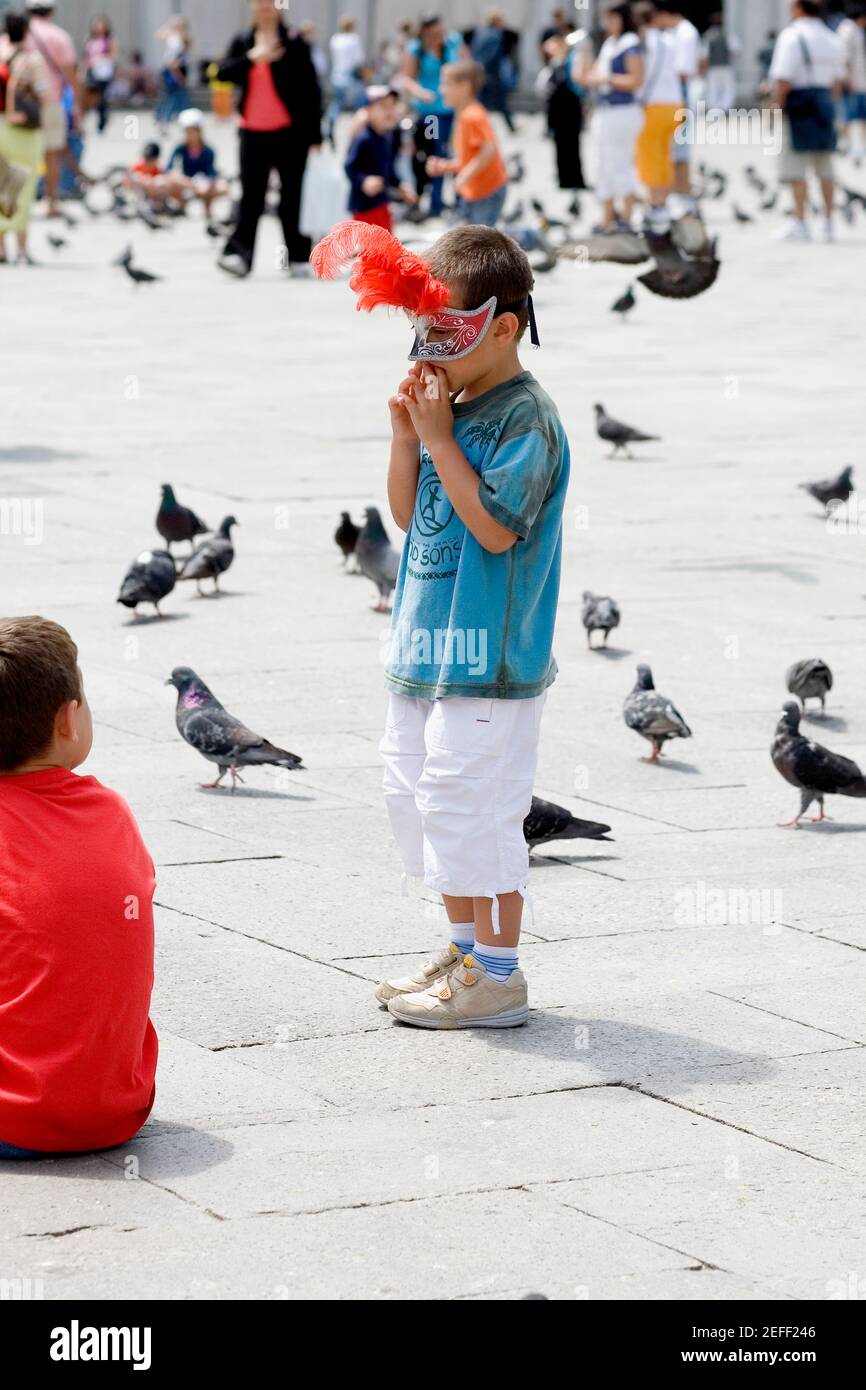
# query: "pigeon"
212 557
546 221
686 258
599 615
719 186
58 242
377 558
149 578
617 434
514 215
346 536
176 523
740 215
832 489
754 180
814 770
140 277
217 735
516 170
624 304
653 716
547 821
769 203
811 679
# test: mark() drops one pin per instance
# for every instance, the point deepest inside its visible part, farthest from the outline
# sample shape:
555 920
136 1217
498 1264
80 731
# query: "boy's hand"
401 422
431 416
408 193
372 184
436 166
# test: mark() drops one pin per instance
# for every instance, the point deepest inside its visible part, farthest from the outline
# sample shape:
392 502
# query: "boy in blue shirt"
477 480
370 162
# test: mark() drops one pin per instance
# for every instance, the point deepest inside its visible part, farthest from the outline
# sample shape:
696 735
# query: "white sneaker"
794 230
829 232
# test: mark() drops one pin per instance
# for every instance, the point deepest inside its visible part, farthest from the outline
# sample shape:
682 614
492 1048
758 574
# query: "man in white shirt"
852 35
807 68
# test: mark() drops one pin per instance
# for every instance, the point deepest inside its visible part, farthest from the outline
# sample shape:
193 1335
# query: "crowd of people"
425 108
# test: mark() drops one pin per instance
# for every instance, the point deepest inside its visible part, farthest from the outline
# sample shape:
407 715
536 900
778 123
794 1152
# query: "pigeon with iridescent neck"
176 523
217 735
815 771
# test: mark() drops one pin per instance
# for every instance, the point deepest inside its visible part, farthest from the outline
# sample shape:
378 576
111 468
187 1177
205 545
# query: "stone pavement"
681 1118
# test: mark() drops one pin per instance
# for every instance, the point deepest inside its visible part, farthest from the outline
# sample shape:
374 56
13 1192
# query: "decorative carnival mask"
386 273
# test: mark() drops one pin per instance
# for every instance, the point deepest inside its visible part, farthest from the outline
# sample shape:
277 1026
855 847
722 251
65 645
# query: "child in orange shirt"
481 178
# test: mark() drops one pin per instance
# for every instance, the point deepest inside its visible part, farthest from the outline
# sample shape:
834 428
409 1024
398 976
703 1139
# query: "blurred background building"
213 22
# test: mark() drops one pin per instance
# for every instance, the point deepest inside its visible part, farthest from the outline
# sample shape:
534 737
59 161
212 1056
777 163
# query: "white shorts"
458 786
616 129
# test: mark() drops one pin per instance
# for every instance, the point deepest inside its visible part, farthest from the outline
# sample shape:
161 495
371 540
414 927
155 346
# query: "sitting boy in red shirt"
77 1048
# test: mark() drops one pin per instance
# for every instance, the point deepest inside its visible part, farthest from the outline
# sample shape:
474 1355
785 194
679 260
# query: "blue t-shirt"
202 162
467 622
430 71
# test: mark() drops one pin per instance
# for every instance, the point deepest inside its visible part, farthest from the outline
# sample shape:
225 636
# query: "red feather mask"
385 272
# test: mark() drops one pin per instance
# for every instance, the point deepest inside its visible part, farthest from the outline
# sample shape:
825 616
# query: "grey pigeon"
619 435
599 615
148 580
832 489
811 679
346 536
547 821
138 276
814 770
377 558
217 735
740 215
176 523
624 305
212 557
653 716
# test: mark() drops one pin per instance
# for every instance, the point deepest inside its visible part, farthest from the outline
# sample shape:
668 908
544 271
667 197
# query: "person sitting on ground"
191 171
481 178
77 1048
369 164
145 176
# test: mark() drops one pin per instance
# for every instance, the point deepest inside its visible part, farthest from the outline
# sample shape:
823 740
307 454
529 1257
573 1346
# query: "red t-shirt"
263 108
77 1048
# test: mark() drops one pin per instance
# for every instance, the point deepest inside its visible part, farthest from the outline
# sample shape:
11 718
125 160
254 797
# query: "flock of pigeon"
153 574
815 771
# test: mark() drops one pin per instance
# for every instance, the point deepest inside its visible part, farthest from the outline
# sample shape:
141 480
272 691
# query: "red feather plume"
385 272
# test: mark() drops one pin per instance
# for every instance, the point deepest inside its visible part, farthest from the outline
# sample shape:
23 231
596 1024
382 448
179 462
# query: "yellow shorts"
655 166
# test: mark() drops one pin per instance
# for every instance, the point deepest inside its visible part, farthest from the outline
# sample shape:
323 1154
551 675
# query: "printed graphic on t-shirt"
433 554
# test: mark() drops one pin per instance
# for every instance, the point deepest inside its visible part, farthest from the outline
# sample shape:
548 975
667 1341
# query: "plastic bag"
324 195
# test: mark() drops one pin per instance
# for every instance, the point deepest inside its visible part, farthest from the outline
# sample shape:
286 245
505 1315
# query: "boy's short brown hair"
466 70
38 674
481 262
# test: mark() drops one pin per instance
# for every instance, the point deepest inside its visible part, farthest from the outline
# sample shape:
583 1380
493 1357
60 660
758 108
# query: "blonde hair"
466 70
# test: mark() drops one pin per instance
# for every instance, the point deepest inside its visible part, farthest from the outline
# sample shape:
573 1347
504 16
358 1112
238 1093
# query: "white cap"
191 118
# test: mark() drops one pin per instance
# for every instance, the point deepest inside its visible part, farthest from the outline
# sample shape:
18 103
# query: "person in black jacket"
280 106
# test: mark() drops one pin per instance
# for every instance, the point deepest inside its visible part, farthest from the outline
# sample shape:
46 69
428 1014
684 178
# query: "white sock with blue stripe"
463 935
500 962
